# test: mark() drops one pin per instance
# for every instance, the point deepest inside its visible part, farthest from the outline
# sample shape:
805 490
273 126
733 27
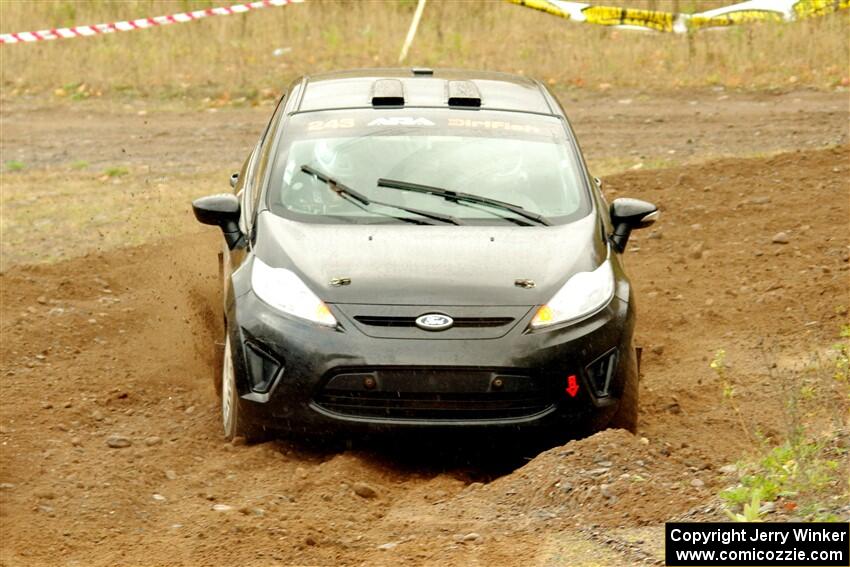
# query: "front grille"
444 394
470 322
432 406
380 321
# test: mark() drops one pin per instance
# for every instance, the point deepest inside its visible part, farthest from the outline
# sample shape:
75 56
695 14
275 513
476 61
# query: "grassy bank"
256 54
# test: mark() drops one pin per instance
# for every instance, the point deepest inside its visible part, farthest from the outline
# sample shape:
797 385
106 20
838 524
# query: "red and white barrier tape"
142 23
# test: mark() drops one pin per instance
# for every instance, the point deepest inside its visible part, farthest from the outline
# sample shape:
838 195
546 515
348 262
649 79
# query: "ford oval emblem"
434 322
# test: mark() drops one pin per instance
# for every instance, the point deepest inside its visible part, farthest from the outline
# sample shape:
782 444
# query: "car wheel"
626 416
233 422
217 367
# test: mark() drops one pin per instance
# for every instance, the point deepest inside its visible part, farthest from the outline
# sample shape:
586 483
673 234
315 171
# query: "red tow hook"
572 386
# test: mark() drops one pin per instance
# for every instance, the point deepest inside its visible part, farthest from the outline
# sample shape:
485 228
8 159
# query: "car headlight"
583 294
285 291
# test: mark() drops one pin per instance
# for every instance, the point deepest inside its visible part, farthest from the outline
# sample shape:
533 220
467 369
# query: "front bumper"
322 367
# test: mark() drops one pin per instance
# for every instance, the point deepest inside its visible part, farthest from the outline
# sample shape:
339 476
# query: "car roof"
423 87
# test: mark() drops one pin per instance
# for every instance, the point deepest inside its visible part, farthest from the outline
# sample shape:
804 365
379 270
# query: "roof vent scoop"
387 92
464 93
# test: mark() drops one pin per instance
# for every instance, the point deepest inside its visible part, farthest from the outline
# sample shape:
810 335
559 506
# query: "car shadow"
468 457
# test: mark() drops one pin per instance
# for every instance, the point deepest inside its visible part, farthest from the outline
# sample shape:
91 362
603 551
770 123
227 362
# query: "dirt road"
616 130
109 427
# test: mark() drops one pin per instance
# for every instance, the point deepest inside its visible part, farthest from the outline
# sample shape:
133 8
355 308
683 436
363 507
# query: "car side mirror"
626 216
220 210
234 179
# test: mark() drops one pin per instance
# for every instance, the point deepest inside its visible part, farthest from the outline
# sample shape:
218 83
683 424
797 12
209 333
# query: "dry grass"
55 214
233 56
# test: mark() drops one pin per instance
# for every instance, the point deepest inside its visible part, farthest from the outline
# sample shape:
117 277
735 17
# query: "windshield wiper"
348 192
457 196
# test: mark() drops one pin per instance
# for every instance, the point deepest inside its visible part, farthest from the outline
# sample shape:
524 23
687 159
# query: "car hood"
406 264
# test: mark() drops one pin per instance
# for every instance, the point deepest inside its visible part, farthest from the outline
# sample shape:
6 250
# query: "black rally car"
409 248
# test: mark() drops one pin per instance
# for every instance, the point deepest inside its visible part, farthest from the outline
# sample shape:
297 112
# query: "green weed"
752 511
808 470
117 171
788 472
718 364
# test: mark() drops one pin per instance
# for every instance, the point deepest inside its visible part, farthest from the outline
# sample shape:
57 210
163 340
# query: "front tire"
217 367
626 416
231 417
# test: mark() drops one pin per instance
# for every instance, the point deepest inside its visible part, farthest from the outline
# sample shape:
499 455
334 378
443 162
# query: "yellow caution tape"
735 14
604 15
610 16
814 8
543 6
735 18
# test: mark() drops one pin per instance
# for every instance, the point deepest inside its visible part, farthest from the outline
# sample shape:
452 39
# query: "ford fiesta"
411 249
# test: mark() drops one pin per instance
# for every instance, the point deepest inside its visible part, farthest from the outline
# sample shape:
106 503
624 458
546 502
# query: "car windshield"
522 160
